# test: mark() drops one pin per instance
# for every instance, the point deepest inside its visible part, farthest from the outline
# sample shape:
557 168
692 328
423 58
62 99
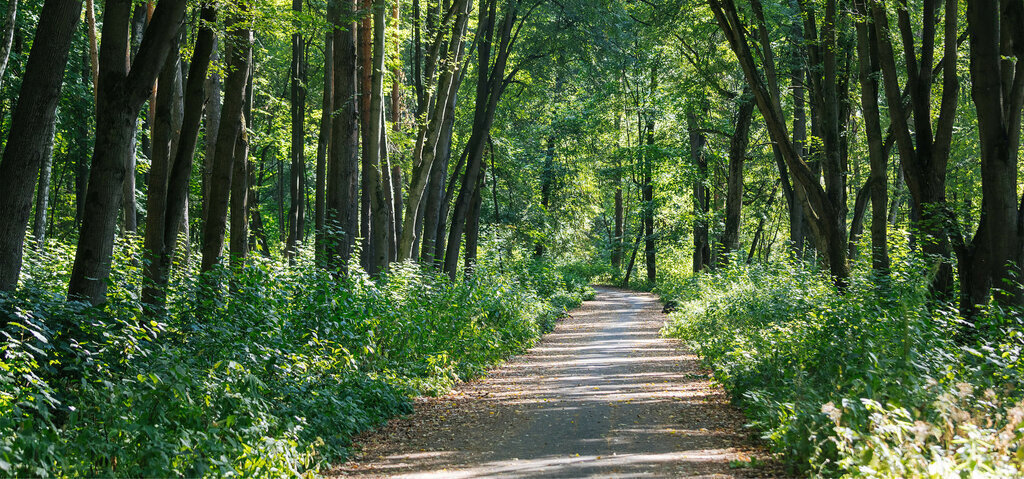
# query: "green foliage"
288 365
866 384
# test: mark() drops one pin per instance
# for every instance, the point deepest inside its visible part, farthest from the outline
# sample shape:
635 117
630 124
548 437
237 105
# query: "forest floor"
604 395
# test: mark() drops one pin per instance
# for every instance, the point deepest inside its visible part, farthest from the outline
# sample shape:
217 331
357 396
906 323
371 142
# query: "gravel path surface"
602 396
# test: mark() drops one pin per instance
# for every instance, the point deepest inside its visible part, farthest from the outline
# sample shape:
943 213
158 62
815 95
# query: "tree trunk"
491 84
297 192
121 94
924 154
989 264
323 140
547 180
701 200
231 126
238 247
195 99
8 35
343 163
212 125
375 171
429 137
164 136
730 240
826 224
868 69
43 194
473 228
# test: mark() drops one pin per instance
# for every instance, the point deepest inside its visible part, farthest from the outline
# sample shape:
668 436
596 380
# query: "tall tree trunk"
122 93
238 247
701 199
364 57
31 134
473 228
164 137
730 240
232 124
491 84
175 214
924 154
547 179
297 192
868 69
343 159
323 140
990 263
429 137
826 224
435 213
375 173
43 193
212 125
647 189
8 35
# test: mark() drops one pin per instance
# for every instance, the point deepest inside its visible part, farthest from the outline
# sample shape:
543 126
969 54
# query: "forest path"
604 395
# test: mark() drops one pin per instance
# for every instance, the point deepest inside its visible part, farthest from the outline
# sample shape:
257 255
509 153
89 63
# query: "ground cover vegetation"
234 232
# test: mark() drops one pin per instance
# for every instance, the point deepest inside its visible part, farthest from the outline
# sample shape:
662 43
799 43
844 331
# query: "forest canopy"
256 228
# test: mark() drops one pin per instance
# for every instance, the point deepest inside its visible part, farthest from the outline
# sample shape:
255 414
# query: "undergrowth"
866 384
288 364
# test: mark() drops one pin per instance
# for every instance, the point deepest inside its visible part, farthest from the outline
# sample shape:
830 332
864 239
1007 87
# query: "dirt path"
602 396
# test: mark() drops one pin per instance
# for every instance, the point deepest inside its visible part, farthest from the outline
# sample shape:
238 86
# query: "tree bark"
8 35
343 163
323 140
165 134
924 154
701 200
826 223
297 190
990 263
232 124
43 194
429 136
238 247
122 91
868 70
730 239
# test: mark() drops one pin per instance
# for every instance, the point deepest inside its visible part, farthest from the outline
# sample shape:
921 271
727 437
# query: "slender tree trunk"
297 193
730 240
8 35
826 224
164 136
381 220
343 163
324 139
868 69
212 125
473 228
491 85
429 137
175 214
122 93
43 194
238 246
701 199
232 124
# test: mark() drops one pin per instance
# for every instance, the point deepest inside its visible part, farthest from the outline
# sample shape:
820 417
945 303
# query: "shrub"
866 384
271 378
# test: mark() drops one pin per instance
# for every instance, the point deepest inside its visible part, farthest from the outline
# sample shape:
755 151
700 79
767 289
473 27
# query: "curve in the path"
604 395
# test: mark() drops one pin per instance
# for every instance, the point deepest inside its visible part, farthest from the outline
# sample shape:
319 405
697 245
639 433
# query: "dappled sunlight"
603 395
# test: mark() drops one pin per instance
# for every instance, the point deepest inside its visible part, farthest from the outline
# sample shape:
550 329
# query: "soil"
603 395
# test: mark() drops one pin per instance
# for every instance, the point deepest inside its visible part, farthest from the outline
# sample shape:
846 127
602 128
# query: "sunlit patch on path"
602 396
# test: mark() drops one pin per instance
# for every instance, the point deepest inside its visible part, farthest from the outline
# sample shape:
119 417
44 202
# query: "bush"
866 384
270 379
